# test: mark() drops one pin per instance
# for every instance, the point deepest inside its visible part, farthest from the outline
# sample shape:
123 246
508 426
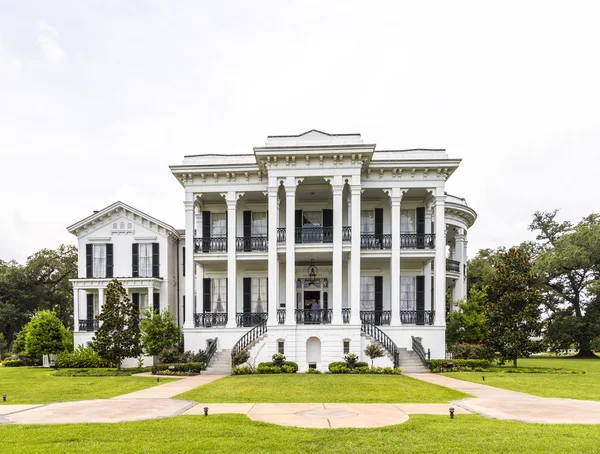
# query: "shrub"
99 372
12 363
374 350
458 364
287 369
278 357
313 371
240 358
463 350
361 369
178 369
292 365
339 368
361 364
82 357
241 370
170 355
191 357
351 357
268 368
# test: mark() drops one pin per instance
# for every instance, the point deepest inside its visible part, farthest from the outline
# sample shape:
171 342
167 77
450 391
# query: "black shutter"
267 294
183 260
247 295
205 231
420 300
90 306
183 303
206 295
109 260
135 297
135 260
89 250
247 231
298 225
155 260
420 227
156 302
327 226
379 227
378 299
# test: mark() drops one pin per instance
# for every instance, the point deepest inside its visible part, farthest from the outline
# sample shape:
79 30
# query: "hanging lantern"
312 272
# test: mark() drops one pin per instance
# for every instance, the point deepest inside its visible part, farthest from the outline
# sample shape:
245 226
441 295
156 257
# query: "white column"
427 274
355 250
395 199
76 309
440 259
231 260
336 284
189 261
150 291
459 250
100 299
272 254
290 252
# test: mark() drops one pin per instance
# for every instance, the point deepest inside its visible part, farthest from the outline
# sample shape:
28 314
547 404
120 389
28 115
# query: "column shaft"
395 199
355 248
231 260
440 260
76 309
189 262
337 279
290 254
272 254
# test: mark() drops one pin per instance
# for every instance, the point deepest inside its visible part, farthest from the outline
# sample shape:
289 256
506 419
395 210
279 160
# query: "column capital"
189 205
337 189
356 190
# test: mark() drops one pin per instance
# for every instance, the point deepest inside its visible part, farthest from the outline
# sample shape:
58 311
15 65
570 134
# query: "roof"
314 130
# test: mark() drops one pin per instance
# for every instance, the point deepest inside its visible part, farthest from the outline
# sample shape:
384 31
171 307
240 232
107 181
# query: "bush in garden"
374 350
240 358
241 370
45 334
12 363
159 331
82 357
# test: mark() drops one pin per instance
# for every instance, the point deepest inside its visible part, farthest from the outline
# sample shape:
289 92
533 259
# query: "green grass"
573 386
237 433
36 385
320 388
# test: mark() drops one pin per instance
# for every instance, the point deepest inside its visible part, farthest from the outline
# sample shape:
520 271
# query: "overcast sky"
97 98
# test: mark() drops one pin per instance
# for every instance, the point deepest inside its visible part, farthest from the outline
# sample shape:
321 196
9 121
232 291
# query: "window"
99 260
367 293
408 297
281 347
218 295
312 218
367 221
346 346
218 224
145 260
407 221
259 295
259 223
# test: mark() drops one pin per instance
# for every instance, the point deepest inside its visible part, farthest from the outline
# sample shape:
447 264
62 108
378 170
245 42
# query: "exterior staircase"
220 364
410 363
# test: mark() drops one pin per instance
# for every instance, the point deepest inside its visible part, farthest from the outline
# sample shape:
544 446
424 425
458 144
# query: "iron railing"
88 325
281 316
420 351
212 244
314 316
247 339
417 317
417 241
210 319
210 351
453 265
252 243
250 318
313 235
281 234
375 241
376 317
383 339
346 314
347 233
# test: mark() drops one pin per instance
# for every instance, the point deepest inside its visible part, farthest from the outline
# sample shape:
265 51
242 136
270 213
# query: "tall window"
145 260
218 295
259 295
281 347
407 221
312 218
367 293
99 260
367 221
219 224
346 346
408 294
259 223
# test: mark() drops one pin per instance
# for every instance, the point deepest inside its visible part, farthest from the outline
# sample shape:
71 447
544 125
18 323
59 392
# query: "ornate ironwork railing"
210 351
376 317
252 243
210 319
88 325
212 244
247 339
346 314
281 316
347 233
420 351
313 235
250 318
375 241
417 317
383 339
417 241
453 265
281 234
314 316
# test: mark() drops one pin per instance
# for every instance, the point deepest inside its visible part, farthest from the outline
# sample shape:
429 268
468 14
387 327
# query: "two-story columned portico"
317 244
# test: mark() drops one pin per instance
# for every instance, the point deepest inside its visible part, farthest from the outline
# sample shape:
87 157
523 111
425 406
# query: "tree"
569 261
118 336
481 268
159 331
374 350
468 323
45 334
3 346
513 311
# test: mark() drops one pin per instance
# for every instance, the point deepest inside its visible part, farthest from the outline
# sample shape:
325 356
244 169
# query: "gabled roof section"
314 137
120 207
315 131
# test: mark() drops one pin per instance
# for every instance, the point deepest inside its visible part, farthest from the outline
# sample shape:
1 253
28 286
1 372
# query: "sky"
97 98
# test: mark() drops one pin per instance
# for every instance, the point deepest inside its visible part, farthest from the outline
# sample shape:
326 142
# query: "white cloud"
47 38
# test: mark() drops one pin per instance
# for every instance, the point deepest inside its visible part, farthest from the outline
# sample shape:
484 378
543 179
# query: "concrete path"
172 388
475 389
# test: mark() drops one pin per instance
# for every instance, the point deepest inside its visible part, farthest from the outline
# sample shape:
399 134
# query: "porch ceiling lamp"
312 272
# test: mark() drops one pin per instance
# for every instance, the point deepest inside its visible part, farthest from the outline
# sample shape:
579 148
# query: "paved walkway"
170 389
475 389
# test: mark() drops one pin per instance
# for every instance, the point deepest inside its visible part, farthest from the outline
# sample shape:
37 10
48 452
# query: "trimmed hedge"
341 367
178 369
241 370
287 367
100 372
82 357
12 363
458 364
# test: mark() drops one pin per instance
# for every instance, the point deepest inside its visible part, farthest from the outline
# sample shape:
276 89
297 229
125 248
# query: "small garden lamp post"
451 412
205 411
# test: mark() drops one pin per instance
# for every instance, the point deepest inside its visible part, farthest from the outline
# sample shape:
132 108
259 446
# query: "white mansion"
314 245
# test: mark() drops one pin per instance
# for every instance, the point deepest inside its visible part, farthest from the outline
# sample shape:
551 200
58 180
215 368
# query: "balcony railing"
347 233
88 325
252 243
281 234
210 319
417 317
417 241
314 316
313 235
281 316
346 314
212 244
250 318
375 241
453 265
376 317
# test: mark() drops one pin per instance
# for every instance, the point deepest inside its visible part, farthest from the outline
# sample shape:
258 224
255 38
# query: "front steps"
220 364
410 363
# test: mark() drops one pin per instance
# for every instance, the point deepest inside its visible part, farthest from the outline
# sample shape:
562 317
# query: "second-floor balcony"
88 325
211 244
252 244
314 234
453 266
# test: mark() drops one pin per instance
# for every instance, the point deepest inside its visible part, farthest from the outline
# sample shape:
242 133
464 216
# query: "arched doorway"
313 352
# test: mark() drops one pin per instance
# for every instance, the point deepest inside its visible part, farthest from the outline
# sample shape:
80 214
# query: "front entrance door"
313 312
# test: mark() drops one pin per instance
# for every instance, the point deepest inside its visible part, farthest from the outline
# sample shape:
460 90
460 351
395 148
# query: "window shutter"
298 225
247 295
156 302
205 231
135 298
378 293
420 227
327 226
135 260
247 231
90 306
183 260
109 260
183 304
267 280
420 300
155 260
206 295
378 221
89 251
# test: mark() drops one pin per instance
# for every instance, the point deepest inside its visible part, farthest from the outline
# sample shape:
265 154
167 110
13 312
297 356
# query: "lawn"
237 433
321 388
574 386
36 385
